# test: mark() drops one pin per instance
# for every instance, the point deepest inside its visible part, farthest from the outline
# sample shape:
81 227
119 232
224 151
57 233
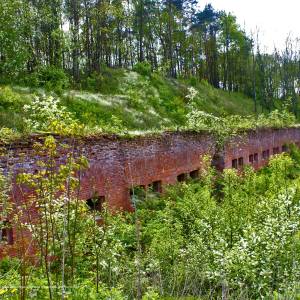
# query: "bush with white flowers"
45 113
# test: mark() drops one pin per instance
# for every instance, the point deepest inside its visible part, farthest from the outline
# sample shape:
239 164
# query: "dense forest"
42 39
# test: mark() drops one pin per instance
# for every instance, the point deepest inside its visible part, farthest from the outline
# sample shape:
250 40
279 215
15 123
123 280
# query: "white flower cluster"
42 111
200 120
192 94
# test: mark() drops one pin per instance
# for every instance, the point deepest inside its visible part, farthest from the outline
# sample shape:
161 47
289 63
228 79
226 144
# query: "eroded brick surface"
118 164
259 145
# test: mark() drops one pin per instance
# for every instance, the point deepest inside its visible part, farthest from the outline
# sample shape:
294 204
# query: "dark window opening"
6 233
266 154
194 174
241 161
235 163
138 191
284 148
276 150
182 177
96 203
251 158
255 157
156 186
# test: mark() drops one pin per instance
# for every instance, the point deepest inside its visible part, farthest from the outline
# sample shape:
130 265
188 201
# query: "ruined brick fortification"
257 146
117 165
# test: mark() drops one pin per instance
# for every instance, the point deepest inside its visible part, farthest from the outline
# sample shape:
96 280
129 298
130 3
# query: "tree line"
175 37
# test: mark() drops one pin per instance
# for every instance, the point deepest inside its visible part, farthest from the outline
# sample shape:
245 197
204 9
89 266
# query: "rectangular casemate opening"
194 174
156 186
276 150
251 158
235 163
138 192
241 161
182 177
6 233
266 154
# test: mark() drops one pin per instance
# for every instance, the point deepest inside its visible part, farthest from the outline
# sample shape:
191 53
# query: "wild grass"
137 102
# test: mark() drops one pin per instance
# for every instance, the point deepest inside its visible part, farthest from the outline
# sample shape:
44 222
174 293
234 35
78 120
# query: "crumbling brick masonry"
118 165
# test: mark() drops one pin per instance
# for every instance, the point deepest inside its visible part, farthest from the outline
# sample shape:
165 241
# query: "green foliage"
187 244
8 99
143 68
137 102
51 78
224 128
106 81
16 17
48 115
11 108
144 37
8 135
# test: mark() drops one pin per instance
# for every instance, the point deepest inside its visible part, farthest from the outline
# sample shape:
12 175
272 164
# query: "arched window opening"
95 203
182 177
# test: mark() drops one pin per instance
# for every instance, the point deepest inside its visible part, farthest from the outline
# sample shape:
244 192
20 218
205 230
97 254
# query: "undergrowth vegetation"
137 101
134 102
224 128
234 236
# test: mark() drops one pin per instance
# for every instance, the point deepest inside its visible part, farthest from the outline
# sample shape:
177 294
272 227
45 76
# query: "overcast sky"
274 18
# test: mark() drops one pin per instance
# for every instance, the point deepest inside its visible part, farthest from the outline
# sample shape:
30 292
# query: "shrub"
51 78
11 104
193 81
143 68
6 264
9 99
105 82
7 135
47 114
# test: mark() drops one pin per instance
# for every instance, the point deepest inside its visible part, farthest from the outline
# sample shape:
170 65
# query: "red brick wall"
118 164
257 142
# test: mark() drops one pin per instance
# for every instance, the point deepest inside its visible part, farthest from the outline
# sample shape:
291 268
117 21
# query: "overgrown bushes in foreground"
235 237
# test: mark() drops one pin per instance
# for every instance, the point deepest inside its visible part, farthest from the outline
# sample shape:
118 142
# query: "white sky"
274 18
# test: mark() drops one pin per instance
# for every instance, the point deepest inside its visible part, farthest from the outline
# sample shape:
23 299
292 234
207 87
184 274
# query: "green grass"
136 102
